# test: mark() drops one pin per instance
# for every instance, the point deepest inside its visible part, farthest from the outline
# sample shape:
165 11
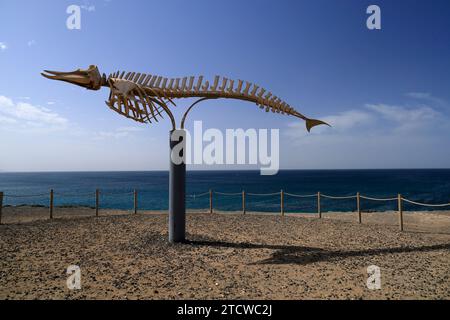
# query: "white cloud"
341 122
28 115
118 133
7 120
129 129
373 118
426 97
31 43
418 95
3 46
349 119
406 118
402 114
375 136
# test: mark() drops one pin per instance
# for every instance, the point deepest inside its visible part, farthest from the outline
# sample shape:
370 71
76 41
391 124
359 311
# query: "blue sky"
386 92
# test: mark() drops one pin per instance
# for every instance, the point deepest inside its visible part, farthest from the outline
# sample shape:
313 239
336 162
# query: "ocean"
78 189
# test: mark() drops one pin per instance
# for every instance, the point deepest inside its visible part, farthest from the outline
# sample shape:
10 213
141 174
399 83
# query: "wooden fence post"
282 202
400 212
135 201
319 209
358 207
1 206
51 204
210 201
97 196
243 202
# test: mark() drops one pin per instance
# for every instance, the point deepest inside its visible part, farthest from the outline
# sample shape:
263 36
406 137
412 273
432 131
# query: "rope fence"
242 194
337 197
426 204
301 195
378 199
51 198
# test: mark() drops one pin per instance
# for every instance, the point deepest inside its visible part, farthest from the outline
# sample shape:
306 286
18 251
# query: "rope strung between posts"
228 194
25 196
300 195
235 194
75 194
115 193
379 199
426 204
264 194
198 195
337 198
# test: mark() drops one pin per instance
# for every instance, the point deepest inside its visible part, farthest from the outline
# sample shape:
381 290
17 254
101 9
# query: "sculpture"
145 98
142 97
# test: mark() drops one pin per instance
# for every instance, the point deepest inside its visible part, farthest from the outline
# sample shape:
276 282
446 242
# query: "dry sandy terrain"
231 256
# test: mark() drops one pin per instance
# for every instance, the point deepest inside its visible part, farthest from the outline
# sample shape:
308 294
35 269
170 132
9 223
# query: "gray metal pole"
177 181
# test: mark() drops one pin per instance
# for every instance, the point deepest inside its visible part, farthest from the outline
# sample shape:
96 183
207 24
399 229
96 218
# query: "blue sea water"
78 188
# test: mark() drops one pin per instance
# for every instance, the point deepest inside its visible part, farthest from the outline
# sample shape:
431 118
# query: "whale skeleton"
145 97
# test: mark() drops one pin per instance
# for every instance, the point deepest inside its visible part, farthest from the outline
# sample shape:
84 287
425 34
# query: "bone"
183 84
273 104
261 92
216 83
147 79
231 87
199 84
224 84
260 98
169 87
266 99
278 104
147 102
239 87
158 82
205 87
247 88
255 88
127 76
191 83
131 76
141 79
121 75
177 84
136 78
288 109
164 83
152 82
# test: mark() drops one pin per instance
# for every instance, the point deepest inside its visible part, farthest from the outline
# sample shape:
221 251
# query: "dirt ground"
227 256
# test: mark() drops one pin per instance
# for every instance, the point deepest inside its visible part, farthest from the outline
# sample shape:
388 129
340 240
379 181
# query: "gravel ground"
227 256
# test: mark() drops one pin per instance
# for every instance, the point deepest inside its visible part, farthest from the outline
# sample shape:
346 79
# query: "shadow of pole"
300 255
